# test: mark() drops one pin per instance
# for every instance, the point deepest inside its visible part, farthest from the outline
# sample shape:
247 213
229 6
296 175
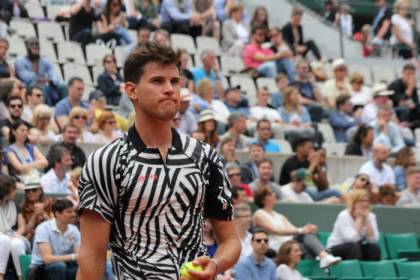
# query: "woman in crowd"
23 160
208 238
107 128
78 116
287 259
6 70
233 171
402 38
42 121
360 94
360 182
206 10
280 229
113 20
235 31
355 231
207 124
260 18
362 142
404 159
110 82
227 150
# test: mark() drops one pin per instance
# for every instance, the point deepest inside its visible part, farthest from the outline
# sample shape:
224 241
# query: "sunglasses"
20 106
80 117
31 190
109 61
259 240
364 179
234 174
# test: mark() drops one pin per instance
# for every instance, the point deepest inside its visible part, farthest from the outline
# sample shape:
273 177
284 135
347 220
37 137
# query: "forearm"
227 254
91 266
63 258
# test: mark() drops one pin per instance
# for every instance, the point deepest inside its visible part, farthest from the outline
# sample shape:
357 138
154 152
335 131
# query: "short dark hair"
258 230
73 80
13 97
61 204
70 125
149 52
257 27
256 145
144 27
259 195
409 66
57 153
341 100
15 125
263 121
265 160
31 89
7 184
300 142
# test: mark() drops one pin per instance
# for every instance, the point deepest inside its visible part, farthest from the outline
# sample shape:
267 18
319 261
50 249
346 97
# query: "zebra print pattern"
156 209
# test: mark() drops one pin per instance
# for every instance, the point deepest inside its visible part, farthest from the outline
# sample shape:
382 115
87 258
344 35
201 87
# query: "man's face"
381 154
256 153
385 115
70 135
298 186
341 72
264 131
263 97
306 149
33 48
408 74
209 60
66 161
234 176
347 107
36 98
76 90
260 243
266 171
184 106
15 108
243 219
161 39
302 69
157 92
234 96
240 125
413 181
296 19
67 216
143 36
259 36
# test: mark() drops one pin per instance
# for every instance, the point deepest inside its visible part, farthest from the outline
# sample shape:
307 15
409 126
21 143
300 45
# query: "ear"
130 90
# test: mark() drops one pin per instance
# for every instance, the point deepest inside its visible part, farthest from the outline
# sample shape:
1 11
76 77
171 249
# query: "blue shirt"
304 116
277 99
62 243
200 73
243 110
249 269
171 12
400 182
25 73
269 147
64 107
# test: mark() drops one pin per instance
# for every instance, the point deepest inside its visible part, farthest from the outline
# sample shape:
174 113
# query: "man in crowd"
161 36
209 69
285 62
15 107
386 131
410 197
249 170
143 36
380 95
380 173
338 85
342 118
237 128
179 17
243 222
34 97
381 25
295 190
188 122
264 135
234 102
57 179
262 110
265 178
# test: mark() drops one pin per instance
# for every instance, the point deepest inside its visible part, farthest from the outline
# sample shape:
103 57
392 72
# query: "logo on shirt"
151 177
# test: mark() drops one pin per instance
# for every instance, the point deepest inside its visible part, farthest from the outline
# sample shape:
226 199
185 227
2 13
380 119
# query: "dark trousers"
53 271
311 46
182 27
357 250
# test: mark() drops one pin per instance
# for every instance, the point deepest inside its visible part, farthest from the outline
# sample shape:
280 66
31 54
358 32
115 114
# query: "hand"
39 209
301 49
216 68
358 213
383 125
209 269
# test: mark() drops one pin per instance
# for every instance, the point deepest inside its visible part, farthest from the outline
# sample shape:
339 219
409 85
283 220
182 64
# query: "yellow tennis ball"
189 266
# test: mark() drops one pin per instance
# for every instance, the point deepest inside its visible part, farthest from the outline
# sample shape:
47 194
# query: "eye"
175 81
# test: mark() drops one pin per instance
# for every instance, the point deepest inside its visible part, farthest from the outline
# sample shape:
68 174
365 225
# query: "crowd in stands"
45 123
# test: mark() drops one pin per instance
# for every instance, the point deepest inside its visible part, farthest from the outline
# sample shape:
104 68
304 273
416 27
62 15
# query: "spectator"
210 70
42 123
56 180
70 136
380 98
11 241
179 17
342 119
362 142
379 172
249 170
234 174
264 178
296 116
223 7
227 150
360 94
243 222
410 197
56 245
362 182
264 134
35 69
293 35
107 128
188 123
404 159
209 239
125 107
262 110
287 259
285 62
76 88
234 101
14 9
143 36
34 209
405 98
355 233
186 74
256 265
9 88
6 70
387 132
387 195
207 124
280 229
381 25
110 81
364 36
78 117
161 36
339 85
73 185
344 20
402 38
15 109
113 21
142 13
235 31
237 128
260 18
277 97
207 12
295 190
239 196
34 97
23 159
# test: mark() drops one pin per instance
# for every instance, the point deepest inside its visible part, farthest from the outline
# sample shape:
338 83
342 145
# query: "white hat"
185 94
338 62
32 183
380 89
206 115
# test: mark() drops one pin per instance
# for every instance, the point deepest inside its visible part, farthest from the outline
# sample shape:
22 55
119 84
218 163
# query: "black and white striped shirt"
156 208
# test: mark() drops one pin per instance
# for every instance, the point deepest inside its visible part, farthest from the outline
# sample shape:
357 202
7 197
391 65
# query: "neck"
20 144
259 257
107 133
268 208
60 173
377 163
413 190
74 101
263 141
153 132
264 181
300 157
61 226
207 68
242 233
256 43
292 265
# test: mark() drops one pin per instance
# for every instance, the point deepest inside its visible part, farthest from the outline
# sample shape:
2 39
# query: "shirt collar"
254 260
138 143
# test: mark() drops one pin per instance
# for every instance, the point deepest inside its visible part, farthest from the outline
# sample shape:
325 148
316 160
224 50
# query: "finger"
203 261
204 275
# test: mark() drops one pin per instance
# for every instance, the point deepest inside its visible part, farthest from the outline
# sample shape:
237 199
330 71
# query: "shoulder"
106 154
344 214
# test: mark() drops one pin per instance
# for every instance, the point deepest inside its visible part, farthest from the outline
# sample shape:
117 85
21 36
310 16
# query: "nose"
169 88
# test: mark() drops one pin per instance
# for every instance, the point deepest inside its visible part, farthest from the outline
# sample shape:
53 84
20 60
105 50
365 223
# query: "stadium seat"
269 83
53 10
364 70
96 71
58 70
51 31
310 268
88 90
120 53
95 53
47 49
22 28
382 73
323 237
411 270
25 261
349 269
75 70
17 47
247 85
35 10
70 52
382 245
334 149
231 64
379 269
401 244
208 43
182 41
285 147
327 132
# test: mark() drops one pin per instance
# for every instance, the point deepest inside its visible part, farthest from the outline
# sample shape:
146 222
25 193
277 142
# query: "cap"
338 62
206 115
32 183
96 94
32 40
185 94
380 89
238 87
300 174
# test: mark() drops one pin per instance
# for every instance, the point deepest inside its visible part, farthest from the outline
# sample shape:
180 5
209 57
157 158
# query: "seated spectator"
161 36
142 14
23 159
62 110
264 178
380 96
243 223
234 174
344 20
179 17
280 229
42 123
249 170
364 36
318 69
9 88
262 110
14 9
34 209
186 74
381 25
260 17
15 109
387 195
70 136
342 119
239 196
362 142
223 8
277 97
34 97
404 159
73 185
234 101
410 197
386 131
287 260
362 182
35 69
143 36
379 172
110 82
264 134
402 34
293 35
56 180
284 63
339 85
210 70
207 125
355 233
51 257
235 32
188 123
112 20
6 70
227 150
360 94
207 12
295 190
237 128
107 128
78 117
295 115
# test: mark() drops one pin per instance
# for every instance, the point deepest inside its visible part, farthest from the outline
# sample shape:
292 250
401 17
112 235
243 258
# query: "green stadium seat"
349 270
402 245
310 268
411 270
25 261
382 245
323 237
379 269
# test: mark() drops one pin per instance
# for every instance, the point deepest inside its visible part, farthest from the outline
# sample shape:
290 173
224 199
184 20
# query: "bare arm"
400 38
21 168
40 161
260 221
384 29
92 257
48 257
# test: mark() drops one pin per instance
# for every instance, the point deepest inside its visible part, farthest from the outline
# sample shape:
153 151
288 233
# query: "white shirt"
260 112
284 272
405 28
51 183
290 195
344 230
346 23
243 34
378 177
370 111
221 112
361 97
246 247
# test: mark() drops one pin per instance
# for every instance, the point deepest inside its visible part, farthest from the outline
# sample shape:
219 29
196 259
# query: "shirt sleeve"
41 235
372 220
218 195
